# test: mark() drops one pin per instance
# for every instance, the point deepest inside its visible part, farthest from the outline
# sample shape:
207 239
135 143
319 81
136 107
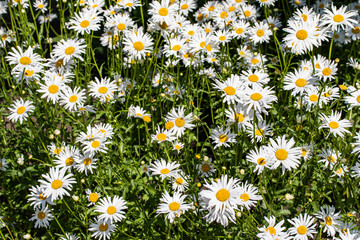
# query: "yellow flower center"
231 8
177 147
102 90
338 18
255 61
163 12
84 24
229 90
239 117
103 227
138 46
281 154
93 197
260 33
147 118
95 144
191 32
333 125
202 44
222 195
358 99
69 161
164 171
41 215
111 210
223 138
73 98
205 167
169 125
29 73
245 197
25 60
301 34
208 48
59 63
179 122
271 230
42 197
328 220
303 152
179 181
355 30
57 150
56 184
87 161
261 161
20 110
259 132
174 206
121 26
253 78
256 96
69 51
247 13
326 71
302 230
300 82
129 4
313 98
53 89
223 15
176 48
212 8
161 137
222 38
239 31
184 6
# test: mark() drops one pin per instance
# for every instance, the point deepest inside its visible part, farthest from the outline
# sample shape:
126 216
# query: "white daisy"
111 209
172 206
20 110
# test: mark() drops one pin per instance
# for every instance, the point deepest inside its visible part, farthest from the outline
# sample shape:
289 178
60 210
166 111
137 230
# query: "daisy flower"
307 151
231 89
72 98
240 29
177 146
67 158
247 195
334 124
129 5
354 99
69 236
67 50
94 146
85 21
283 152
162 12
179 181
220 199
259 98
138 44
187 6
164 169
303 227
172 206
237 114
20 110
329 157
37 198
356 144
298 82
260 33
56 183
340 171
111 209
106 129
23 59
255 77
271 228
119 22
29 73
260 158
162 135
102 229
258 131
92 197
40 5
330 218
206 169
42 217
222 137
326 70
86 164
337 19
181 122
103 89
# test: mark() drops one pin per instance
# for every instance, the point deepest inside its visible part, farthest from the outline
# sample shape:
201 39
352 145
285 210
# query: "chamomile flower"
138 44
164 169
106 129
29 73
337 19
162 12
298 82
254 77
42 217
20 110
329 157
206 169
177 146
231 89
179 181
37 198
92 197
260 33
330 218
220 199
181 122
259 98
354 99
356 144
111 209
162 135
66 50
257 131
102 229
23 59
86 164
340 171
72 98
222 137
334 124
94 146
40 5
355 170
260 158
237 115
103 89
271 228
67 158
85 21
284 153
56 183
240 29
172 206
248 195
187 6
326 70
303 227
